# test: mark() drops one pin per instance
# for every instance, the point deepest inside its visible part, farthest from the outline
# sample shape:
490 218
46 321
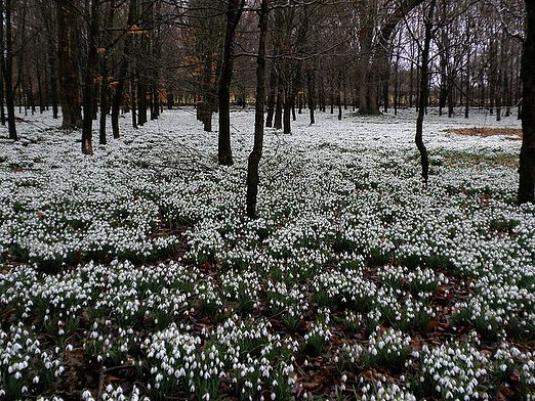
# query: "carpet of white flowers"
135 275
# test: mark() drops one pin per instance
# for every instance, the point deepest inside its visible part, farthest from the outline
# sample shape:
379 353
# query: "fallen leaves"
486 132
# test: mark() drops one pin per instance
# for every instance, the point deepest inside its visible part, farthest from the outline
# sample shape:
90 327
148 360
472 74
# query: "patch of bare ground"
486 132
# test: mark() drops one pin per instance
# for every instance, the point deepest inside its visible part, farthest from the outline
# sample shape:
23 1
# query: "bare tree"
526 188
68 63
6 59
234 12
255 156
424 89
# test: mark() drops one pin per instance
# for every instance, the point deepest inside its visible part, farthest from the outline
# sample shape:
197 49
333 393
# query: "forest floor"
134 273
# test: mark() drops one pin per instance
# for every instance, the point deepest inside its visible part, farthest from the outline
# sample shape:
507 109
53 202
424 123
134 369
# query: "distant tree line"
93 62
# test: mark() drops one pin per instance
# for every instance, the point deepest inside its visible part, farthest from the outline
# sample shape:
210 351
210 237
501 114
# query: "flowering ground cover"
135 275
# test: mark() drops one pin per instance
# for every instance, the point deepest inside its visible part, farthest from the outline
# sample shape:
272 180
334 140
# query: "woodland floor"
134 273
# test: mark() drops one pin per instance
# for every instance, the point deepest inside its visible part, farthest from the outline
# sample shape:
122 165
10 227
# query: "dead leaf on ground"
486 132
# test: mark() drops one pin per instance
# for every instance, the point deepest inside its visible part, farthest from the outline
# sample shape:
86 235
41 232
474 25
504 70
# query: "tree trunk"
278 108
92 59
311 94
7 65
526 189
207 106
273 83
123 70
69 78
253 178
339 97
286 118
424 91
104 84
234 11
2 95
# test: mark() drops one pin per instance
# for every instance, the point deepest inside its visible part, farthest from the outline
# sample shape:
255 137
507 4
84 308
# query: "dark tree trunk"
286 118
104 84
170 100
253 178
92 59
526 189
7 65
141 98
207 92
273 83
234 11
134 102
123 70
52 60
424 91
451 100
2 95
386 94
52 63
443 96
396 75
339 96
69 78
311 94
155 62
278 109
40 88
411 84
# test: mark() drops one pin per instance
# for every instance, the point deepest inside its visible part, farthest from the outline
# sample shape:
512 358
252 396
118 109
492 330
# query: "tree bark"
7 65
311 94
234 11
104 84
424 91
2 94
287 114
272 98
277 124
92 59
526 189
253 178
69 78
123 70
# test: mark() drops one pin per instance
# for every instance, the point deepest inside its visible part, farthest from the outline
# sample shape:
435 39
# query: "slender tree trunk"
234 11
133 91
40 88
2 95
311 94
104 84
69 78
207 106
253 178
52 77
123 70
339 97
396 75
468 71
287 111
424 91
526 189
278 108
418 57
155 62
7 65
273 83
92 59
411 84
